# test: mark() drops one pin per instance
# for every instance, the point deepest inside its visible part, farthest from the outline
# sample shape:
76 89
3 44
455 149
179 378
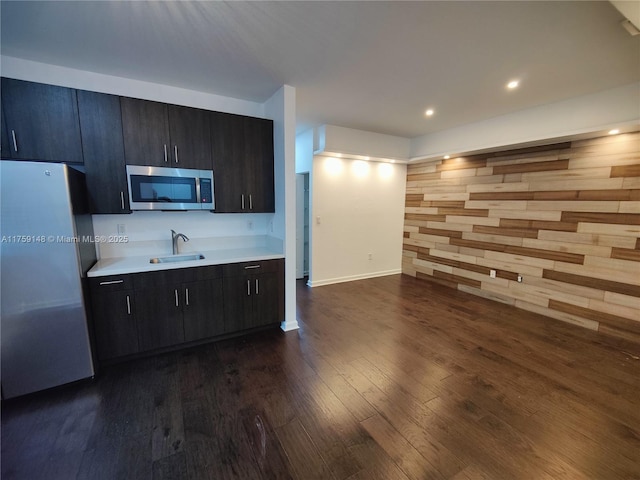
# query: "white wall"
304 152
68 77
615 108
360 206
281 107
150 232
349 141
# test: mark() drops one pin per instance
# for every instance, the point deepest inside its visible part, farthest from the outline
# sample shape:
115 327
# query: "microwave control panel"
205 190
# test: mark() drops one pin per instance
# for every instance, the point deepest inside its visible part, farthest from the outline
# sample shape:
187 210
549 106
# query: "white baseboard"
351 278
288 326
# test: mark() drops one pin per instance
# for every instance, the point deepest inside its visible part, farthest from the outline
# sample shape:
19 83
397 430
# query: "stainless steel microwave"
161 188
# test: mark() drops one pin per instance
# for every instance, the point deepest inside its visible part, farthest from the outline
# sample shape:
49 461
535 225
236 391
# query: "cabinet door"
228 158
41 121
116 332
238 304
203 309
103 149
145 127
258 134
4 146
190 137
159 316
265 296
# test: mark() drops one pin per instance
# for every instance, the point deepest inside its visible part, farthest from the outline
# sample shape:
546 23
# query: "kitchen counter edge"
139 264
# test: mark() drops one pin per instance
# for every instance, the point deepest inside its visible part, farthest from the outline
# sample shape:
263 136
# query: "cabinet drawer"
176 276
112 283
252 268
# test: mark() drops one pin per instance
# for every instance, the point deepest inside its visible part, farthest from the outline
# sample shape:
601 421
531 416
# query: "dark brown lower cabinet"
114 319
253 294
159 315
177 306
203 309
148 311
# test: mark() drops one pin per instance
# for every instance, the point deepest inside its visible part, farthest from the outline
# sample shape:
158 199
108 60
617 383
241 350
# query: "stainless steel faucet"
174 240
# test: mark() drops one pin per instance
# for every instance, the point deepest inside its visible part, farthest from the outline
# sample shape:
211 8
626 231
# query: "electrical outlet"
122 229
519 278
492 273
250 225
371 256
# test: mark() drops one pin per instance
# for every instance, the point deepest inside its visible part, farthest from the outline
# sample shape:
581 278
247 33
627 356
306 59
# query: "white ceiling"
372 66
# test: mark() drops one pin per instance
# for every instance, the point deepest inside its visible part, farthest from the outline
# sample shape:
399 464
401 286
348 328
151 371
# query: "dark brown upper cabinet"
4 145
41 122
103 150
162 135
190 137
242 154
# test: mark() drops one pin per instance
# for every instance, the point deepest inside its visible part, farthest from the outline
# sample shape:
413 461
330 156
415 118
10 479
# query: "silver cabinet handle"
257 288
248 287
122 200
251 266
111 282
186 292
175 151
243 201
128 305
177 304
165 153
15 143
250 202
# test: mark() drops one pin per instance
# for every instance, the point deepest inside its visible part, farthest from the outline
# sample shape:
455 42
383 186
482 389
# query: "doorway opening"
302 225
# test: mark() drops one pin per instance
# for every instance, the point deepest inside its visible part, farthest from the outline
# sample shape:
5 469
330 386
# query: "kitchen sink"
177 258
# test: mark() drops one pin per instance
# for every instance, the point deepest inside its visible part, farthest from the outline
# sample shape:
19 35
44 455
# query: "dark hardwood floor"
388 378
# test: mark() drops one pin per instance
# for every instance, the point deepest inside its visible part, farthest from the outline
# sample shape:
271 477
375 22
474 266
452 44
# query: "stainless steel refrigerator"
46 248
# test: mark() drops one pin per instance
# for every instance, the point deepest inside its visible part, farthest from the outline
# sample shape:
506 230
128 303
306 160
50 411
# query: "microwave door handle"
198 197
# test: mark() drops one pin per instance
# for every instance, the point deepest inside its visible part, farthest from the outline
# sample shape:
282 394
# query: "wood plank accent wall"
566 217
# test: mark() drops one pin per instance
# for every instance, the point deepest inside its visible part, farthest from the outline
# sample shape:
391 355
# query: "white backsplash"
149 233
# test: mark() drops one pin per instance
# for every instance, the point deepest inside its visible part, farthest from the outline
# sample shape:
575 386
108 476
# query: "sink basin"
177 258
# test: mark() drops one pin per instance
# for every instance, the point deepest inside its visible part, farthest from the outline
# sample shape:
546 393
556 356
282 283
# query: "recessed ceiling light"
447 157
615 131
429 112
513 84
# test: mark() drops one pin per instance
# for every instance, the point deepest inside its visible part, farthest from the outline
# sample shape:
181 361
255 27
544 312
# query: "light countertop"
140 263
